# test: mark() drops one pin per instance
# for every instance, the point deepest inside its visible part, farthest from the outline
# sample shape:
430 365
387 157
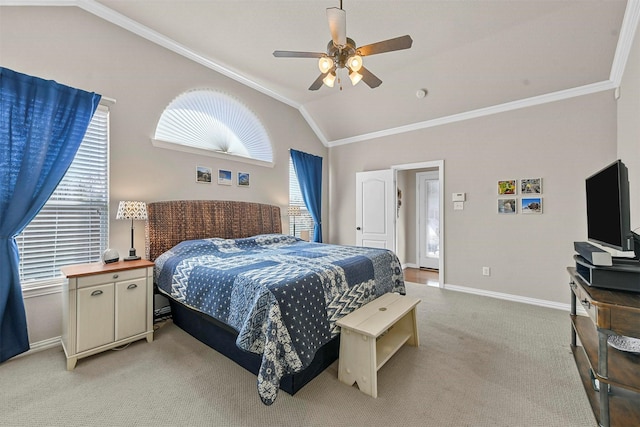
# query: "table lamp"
132 210
294 211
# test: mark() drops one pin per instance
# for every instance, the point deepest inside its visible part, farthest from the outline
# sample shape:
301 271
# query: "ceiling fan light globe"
329 79
325 64
355 77
354 63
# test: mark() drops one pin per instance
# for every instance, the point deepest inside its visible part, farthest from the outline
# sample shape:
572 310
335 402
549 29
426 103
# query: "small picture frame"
244 179
507 186
531 186
224 177
507 206
203 175
531 205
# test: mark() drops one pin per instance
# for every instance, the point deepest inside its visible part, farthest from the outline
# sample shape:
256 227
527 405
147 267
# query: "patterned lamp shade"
293 211
132 210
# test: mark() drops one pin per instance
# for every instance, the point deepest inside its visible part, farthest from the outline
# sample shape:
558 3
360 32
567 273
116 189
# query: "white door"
376 209
428 186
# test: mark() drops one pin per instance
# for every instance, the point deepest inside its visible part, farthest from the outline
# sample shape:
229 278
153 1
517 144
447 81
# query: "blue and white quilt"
283 295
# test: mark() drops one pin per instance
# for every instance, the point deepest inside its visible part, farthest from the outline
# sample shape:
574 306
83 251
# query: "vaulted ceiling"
473 57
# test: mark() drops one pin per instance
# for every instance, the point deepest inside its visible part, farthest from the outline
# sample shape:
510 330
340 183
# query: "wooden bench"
372 334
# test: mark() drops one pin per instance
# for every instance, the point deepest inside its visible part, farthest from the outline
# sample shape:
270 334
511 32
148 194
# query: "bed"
266 300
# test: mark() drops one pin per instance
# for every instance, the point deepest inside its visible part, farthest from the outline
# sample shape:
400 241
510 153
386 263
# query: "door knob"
358 228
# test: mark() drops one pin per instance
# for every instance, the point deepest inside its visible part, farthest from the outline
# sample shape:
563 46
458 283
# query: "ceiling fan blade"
337 25
369 78
317 84
398 43
292 54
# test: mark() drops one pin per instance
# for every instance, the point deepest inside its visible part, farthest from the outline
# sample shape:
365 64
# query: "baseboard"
515 298
41 345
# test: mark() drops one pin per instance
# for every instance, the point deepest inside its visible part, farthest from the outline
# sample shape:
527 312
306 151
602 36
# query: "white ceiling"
473 57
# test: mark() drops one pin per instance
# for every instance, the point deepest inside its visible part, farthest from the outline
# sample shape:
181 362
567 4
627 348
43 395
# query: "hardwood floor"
417 275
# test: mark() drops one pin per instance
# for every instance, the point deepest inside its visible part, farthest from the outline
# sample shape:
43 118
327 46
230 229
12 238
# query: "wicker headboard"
171 222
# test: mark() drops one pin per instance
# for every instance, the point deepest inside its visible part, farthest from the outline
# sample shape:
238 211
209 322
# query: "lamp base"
132 255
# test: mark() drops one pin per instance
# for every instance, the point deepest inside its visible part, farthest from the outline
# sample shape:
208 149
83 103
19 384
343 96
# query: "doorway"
408 234
428 220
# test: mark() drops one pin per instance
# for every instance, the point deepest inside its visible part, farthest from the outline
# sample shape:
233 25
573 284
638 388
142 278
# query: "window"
214 124
72 227
304 222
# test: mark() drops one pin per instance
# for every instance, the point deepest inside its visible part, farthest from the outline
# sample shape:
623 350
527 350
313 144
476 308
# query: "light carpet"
481 362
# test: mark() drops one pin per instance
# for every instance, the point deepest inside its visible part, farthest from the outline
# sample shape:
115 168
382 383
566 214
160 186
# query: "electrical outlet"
486 271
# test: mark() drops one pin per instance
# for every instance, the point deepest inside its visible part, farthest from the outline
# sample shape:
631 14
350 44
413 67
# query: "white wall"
561 142
629 128
78 49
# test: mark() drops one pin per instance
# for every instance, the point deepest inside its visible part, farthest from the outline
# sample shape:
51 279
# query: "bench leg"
357 362
413 340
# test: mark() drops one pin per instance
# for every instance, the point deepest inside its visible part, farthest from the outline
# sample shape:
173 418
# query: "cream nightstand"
106 306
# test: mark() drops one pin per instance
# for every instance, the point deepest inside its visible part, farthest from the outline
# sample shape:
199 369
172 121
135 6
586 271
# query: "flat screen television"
608 209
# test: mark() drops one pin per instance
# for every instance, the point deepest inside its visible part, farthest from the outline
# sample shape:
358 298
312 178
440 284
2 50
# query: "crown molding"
625 41
143 31
313 125
481 112
623 48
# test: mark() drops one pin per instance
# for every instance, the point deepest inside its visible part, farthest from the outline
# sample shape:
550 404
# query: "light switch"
458 206
458 197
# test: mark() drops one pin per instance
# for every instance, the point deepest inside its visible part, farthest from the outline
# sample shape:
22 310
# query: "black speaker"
624 275
110 255
593 254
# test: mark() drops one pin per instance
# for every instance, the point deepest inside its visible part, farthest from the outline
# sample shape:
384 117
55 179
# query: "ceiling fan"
342 52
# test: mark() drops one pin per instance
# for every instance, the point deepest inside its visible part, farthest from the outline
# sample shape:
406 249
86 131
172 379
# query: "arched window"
212 123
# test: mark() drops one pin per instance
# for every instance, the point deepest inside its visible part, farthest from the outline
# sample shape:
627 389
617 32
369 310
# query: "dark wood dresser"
600 365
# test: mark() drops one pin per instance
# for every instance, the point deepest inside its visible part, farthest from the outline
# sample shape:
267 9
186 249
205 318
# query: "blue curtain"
42 124
309 172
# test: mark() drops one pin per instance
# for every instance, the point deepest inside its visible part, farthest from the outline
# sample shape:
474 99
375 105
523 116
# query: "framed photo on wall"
224 177
507 187
531 205
244 179
531 186
507 206
203 174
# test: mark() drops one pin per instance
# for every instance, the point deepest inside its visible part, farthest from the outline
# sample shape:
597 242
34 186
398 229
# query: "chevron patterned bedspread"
283 295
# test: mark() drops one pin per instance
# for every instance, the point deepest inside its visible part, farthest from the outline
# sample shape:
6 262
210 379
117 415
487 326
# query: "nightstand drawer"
585 300
111 277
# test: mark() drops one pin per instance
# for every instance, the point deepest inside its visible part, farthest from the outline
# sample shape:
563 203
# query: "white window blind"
304 222
215 124
72 227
